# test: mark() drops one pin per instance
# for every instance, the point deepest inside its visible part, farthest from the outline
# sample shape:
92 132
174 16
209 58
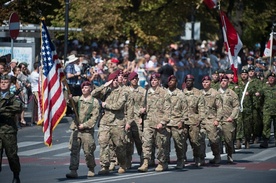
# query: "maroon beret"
86 83
224 77
189 76
171 77
206 78
132 75
115 60
155 76
113 75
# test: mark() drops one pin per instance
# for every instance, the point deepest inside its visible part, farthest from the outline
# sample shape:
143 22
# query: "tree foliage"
151 23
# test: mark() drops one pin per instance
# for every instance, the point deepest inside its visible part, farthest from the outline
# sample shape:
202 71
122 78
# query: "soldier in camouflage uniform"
134 129
244 121
269 93
210 117
255 87
9 106
215 80
230 111
83 135
155 132
176 113
112 124
191 127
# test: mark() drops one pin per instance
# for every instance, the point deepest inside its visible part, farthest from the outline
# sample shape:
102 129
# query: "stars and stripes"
53 101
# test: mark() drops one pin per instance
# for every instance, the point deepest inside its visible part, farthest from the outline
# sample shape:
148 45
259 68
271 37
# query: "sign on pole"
14 25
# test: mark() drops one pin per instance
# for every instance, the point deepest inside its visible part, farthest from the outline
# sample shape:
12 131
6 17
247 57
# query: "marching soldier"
244 122
83 135
269 92
176 111
230 112
215 80
134 125
211 115
191 127
255 87
112 124
9 106
155 133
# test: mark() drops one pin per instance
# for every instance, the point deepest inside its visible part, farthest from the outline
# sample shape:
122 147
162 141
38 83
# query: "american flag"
53 101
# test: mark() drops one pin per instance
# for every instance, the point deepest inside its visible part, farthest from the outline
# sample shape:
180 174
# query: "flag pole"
77 120
271 45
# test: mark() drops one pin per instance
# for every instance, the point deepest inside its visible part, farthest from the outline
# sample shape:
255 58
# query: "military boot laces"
72 175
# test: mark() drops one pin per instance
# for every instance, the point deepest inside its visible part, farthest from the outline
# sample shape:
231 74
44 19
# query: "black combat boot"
16 178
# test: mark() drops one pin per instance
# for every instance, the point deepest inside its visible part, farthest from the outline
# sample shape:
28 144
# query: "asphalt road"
42 164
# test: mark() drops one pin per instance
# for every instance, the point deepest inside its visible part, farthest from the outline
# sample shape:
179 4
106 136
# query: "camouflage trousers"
153 138
228 130
244 126
207 128
84 140
134 136
9 143
191 132
178 138
267 119
115 135
257 123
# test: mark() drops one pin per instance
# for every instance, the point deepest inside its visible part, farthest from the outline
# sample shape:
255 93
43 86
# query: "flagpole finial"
42 18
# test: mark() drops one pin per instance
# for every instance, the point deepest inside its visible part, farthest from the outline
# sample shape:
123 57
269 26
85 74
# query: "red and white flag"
232 43
53 101
211 3
271 41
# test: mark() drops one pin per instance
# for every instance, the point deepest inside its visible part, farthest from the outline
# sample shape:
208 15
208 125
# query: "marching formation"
226 113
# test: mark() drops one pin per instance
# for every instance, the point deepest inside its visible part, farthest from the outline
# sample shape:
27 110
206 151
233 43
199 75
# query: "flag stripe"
53 101
232 42
211 3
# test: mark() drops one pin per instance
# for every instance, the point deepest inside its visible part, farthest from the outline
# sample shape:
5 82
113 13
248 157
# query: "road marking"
263 155
28 143
43 149
123 177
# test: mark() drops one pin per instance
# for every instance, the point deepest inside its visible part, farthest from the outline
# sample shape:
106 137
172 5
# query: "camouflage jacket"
269 93
136 100
9 107
88 111
155 107
248 99
255 86
230 104
193 99
175 107
115 105
210 105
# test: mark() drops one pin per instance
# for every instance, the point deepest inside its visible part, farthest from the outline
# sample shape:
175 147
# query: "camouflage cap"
5 77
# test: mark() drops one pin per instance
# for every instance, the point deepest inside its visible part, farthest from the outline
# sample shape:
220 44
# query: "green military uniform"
9 107
244 121
269 93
